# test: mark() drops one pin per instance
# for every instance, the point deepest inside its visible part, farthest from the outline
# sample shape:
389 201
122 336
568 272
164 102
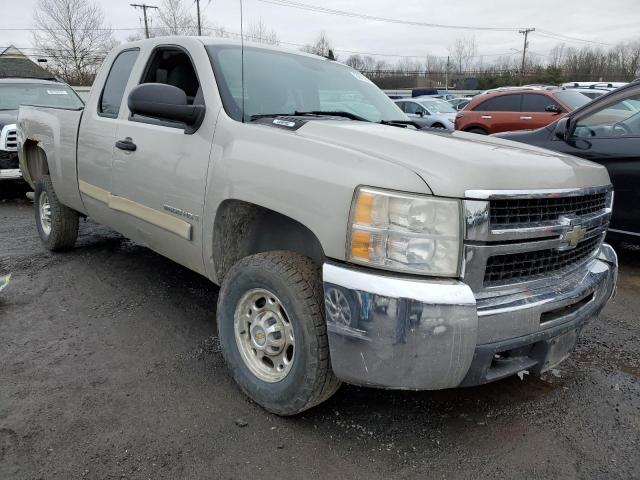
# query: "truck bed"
55 132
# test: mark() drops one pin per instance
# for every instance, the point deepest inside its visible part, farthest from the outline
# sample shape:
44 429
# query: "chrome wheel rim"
44 208
337 306
264 335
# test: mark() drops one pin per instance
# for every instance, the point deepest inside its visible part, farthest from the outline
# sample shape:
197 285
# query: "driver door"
160 168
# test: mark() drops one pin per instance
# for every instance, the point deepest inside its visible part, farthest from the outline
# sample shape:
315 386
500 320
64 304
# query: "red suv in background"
507 109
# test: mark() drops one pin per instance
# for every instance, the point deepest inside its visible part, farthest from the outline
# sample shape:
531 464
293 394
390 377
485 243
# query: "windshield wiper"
269 115
332 113
312 113
400 123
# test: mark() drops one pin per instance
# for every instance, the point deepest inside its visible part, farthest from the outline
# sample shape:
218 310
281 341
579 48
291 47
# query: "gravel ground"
110 368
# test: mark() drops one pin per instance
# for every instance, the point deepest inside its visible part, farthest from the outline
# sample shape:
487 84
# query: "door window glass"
413 108
503 103
116 82
616 120
172 66
536 102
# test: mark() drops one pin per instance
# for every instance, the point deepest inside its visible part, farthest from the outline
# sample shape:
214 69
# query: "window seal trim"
108 115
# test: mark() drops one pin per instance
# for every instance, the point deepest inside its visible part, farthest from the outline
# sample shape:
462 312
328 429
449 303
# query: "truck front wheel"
57 224
273 333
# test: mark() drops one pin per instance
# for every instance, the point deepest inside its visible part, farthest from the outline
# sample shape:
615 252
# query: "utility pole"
525 32
144 8
446 75
199 26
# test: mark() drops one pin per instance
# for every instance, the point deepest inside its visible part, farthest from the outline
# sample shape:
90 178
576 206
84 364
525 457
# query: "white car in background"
429 112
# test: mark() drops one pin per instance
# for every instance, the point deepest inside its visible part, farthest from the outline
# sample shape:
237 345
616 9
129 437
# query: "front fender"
308 180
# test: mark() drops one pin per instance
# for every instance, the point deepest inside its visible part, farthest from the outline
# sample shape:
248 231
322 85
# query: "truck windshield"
12 95
284 83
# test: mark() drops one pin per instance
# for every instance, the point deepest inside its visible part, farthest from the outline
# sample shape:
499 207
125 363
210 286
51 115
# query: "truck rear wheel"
273 333
57 224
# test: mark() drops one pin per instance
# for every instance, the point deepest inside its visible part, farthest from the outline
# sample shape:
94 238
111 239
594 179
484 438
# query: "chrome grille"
515 240
9 138
525 266
533 210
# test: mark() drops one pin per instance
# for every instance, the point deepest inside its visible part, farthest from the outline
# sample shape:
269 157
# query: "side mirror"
553 108
421 113
165 102
562 129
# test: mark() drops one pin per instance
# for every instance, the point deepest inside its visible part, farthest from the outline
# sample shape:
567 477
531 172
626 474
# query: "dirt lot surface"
110 368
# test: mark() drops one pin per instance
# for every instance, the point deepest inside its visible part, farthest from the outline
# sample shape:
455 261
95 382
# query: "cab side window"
172 66
114 86
502 103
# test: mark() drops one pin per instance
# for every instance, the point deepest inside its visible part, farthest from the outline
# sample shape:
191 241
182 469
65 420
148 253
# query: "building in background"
15 64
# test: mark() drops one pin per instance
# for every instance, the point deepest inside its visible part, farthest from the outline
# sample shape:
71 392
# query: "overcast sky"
607 21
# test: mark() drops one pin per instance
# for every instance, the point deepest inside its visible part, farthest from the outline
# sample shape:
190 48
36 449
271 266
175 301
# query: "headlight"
405 232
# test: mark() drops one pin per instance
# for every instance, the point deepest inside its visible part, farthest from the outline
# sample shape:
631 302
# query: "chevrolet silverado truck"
349 246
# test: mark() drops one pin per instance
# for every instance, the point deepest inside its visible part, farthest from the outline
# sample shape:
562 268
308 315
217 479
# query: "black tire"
297 283
438 126
64 221
479 131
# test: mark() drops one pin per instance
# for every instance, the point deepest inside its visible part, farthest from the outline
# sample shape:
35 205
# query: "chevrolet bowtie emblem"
572 237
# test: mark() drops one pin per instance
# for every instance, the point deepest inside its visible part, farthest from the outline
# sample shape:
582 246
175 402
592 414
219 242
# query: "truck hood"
7 117
451 163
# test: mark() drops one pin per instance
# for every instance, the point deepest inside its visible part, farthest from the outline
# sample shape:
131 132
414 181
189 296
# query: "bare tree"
258 31
72 34
462 53
176 19
322 46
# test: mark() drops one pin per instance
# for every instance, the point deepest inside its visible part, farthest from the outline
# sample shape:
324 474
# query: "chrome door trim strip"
154 217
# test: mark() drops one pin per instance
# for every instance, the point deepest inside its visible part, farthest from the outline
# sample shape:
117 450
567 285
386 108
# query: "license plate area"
559 348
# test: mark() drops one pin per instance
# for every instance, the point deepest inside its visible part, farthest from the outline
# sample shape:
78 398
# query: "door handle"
526 118
126 144
486 116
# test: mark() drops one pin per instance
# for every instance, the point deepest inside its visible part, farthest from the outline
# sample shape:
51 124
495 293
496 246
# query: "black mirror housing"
165 102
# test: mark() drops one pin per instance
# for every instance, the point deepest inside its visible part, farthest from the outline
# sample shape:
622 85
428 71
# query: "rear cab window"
502 103
116 82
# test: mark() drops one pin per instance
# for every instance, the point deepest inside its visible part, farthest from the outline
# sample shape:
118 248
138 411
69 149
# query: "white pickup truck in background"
349 245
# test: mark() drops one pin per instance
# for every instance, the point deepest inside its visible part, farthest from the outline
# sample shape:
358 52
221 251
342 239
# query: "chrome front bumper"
10 174
409 333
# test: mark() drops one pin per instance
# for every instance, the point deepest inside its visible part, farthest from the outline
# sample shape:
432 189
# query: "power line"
558 36
343 13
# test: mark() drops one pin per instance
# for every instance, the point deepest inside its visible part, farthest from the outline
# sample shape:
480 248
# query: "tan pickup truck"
349 245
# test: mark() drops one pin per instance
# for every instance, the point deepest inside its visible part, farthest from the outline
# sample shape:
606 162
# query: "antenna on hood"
242 56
